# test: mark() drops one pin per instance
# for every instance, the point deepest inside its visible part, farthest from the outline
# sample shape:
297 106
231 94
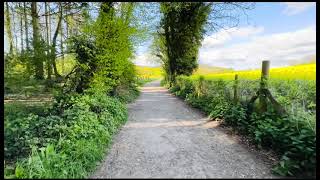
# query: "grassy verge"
63 140
143 81
291 135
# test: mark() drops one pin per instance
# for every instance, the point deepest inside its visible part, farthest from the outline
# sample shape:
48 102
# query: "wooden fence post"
263 93
264 85
265 74
235 90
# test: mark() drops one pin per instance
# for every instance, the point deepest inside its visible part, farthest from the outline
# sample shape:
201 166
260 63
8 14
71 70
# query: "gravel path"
165 138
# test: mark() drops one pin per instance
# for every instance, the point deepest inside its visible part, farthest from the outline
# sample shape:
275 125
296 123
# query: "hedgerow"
71 136
291 135
67 144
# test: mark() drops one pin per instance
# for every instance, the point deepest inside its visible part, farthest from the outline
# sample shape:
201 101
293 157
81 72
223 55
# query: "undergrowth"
65 143
292 135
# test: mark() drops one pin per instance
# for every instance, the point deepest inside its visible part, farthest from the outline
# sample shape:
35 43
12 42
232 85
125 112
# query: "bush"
235 115
127 94
67 144
68 139
292 136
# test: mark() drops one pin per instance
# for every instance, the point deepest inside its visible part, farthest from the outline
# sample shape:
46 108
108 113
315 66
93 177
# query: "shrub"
292 136
67 144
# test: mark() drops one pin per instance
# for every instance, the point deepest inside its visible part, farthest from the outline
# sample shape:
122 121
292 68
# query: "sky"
280 32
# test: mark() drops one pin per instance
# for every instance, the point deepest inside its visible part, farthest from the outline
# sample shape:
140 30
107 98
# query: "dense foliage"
67 137
291 135
70 142
182 29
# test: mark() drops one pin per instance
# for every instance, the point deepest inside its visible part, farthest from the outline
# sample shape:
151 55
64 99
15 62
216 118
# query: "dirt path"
165 138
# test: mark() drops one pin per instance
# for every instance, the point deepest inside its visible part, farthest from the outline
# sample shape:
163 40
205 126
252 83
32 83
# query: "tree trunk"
61 46
8 28
26 31
49 24
21 28
49 70
54 42
26 25
36 42
15 40
67 26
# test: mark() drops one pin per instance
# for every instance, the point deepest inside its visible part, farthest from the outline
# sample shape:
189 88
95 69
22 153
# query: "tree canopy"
182 28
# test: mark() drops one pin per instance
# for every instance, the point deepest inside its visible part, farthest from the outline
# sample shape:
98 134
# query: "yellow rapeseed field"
145 72
303 72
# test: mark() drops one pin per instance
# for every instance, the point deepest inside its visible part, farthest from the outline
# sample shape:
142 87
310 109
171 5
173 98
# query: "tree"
182 28
8 28
49 69
62 6
104 53
37 58
61 47
26 25
15 40
54 42
21 28
113 34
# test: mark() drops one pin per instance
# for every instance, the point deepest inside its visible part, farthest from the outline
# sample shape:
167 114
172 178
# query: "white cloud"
145 59
221 50
224 36
293 8
280 49
216 40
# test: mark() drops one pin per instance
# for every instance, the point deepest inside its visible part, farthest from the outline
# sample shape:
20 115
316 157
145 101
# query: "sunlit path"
166 138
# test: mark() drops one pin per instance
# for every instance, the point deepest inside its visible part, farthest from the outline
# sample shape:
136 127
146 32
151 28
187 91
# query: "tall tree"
49 23
21 27
54 42
38 61
61 42
182 28
67 25
112 66
49 69
26 25
27 53
8 28
15 40
183 25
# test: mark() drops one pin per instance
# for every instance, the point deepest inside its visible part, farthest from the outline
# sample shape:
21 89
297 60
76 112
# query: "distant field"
204 70
149 72
156 72
303 72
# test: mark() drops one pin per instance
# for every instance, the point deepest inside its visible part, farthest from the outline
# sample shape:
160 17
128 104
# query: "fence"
263 94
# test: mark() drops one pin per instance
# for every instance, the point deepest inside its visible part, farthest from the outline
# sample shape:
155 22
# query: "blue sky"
275 18
280 32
